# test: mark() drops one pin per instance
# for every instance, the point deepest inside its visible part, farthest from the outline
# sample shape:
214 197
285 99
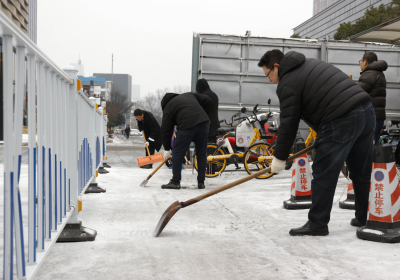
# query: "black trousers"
197 134
212 139
151 150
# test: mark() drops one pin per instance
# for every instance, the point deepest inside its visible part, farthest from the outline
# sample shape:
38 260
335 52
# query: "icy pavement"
241 233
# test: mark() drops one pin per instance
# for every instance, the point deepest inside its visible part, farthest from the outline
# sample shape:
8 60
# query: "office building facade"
329 14
17 11
32 20
121 83
135 92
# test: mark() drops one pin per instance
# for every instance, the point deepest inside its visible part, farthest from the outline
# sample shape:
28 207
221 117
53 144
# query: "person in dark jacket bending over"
341 113
202 87
152 131
127 131
373 81
190 113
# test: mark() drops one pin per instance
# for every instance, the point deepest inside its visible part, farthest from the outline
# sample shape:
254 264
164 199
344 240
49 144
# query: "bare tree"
118 104
181 89
152 101
121 100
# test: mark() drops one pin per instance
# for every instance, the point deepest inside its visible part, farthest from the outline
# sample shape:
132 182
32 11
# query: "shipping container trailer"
229 64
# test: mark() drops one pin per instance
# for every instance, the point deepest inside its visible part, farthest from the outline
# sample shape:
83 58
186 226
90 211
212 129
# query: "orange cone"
350 202
300 193
383 220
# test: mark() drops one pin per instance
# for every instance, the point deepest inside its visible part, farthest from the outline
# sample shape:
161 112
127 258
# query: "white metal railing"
68 128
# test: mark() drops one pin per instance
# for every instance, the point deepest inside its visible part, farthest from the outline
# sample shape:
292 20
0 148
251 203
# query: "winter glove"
167 154
147 143
277 165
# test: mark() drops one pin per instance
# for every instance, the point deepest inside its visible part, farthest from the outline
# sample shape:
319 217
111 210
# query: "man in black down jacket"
190 113
202 87
342 115
127 131
373 81
152 131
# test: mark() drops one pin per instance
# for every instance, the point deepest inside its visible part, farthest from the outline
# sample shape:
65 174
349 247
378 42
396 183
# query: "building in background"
121 83
32 20
329 14
17 11
135 92
80 67
98 84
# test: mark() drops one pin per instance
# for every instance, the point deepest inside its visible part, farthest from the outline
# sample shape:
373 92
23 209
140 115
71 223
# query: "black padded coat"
314 91
184 110
373 81
151 130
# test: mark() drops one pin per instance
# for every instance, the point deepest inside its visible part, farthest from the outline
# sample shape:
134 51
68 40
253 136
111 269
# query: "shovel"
151 158
171 210
144 183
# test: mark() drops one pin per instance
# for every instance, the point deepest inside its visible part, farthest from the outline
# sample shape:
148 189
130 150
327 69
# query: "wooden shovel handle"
240 181
158 167
148 152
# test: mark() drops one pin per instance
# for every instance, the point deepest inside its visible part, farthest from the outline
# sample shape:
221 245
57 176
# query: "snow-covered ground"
241 233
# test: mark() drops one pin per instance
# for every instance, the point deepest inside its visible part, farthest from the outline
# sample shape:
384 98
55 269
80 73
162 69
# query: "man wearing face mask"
373 81
341 113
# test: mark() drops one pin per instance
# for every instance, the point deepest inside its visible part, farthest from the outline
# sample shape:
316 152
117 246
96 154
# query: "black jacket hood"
379 65
167 98
290 61
202 86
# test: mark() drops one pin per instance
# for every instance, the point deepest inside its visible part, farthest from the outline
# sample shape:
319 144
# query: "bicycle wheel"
253 164
214 167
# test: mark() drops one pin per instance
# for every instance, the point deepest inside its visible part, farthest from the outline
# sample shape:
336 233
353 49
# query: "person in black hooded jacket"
373 81
202 87
152 131
341 113
190 113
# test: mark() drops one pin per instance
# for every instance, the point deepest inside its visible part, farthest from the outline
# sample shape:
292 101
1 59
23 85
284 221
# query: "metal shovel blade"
166 217
144 183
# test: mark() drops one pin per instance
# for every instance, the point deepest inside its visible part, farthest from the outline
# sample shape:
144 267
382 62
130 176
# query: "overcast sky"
152 40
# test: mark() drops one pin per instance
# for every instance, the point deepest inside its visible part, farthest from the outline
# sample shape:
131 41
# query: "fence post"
105 136
73 230
32 159
41 152
93 187
8 156
18 121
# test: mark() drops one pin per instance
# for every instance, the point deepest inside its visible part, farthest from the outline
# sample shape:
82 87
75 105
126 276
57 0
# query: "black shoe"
147 166
355 223
172 185
200 185
306 230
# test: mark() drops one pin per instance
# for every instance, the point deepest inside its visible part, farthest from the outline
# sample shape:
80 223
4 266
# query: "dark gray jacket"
312 90
373 81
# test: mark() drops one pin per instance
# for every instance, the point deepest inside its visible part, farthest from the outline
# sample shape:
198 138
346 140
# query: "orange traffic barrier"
383 220
300 192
